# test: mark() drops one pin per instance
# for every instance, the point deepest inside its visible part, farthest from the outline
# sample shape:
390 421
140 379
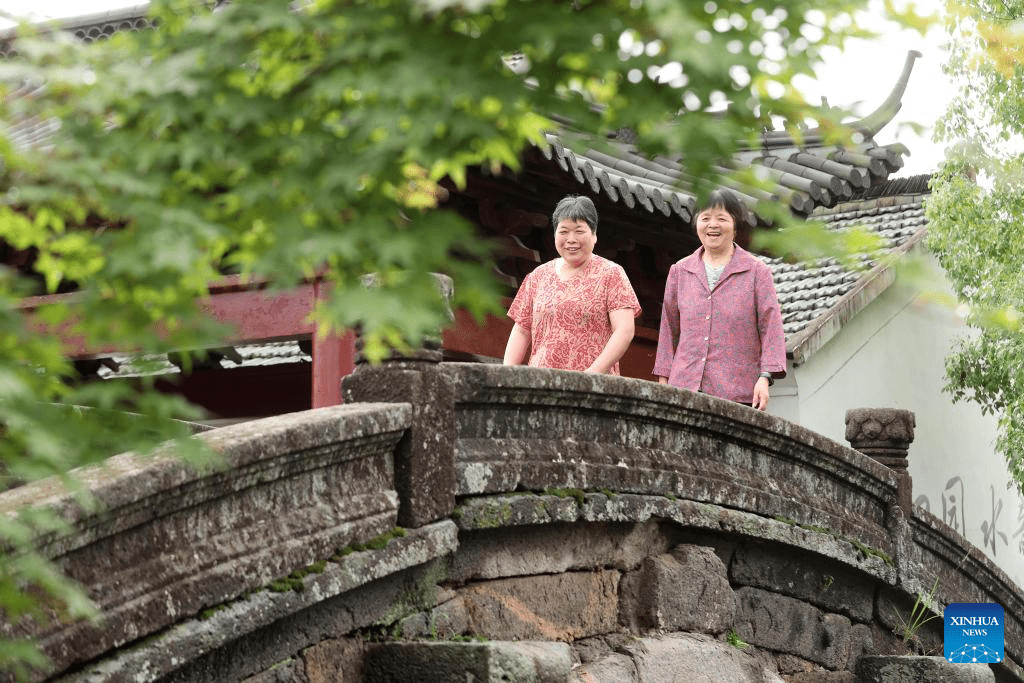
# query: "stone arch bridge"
469 522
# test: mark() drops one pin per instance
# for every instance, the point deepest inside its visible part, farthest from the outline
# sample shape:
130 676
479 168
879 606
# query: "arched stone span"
537 506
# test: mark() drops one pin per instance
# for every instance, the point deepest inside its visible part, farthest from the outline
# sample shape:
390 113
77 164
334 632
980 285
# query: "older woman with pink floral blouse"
575 312
721 328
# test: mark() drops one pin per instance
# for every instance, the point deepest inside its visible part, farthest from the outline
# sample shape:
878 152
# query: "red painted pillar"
333 358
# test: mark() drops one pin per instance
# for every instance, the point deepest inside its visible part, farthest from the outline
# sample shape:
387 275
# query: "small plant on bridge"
921 613
734 639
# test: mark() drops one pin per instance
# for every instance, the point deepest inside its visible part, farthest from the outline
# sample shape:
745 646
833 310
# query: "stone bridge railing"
587 527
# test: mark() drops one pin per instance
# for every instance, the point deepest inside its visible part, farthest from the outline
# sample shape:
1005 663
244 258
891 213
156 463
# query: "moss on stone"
865 550
577 494
210 611
378 542
296 580
416 597
493 515
868 551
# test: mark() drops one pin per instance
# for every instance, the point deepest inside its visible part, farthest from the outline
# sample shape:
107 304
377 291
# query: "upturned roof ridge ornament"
868 126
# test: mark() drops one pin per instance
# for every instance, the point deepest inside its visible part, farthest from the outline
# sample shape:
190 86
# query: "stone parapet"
534 429
164 542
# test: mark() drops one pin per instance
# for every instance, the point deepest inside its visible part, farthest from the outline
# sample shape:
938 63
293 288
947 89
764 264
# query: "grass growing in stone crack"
919 615
734 639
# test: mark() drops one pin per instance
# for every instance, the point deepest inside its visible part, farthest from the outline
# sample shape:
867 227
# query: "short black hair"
723 198
575 208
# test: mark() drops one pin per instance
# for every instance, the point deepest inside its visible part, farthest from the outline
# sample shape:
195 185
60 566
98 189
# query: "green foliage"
284 145
976 215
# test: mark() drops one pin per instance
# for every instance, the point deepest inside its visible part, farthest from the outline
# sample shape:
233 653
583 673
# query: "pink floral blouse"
719 341
568 319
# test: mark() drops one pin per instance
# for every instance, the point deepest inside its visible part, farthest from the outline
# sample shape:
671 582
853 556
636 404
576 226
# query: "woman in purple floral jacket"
721 329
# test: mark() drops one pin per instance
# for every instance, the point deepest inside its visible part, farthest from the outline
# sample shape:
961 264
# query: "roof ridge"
70 23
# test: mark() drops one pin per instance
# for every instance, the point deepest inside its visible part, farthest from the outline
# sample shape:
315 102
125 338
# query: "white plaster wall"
891 355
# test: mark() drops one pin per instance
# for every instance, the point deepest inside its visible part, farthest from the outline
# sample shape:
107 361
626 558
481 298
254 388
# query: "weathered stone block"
424 459
447 620
337 660
284 672
498 512
554 548
920 670
612 668
823 677
560 607
678 657
640 437
523 662
788 625
831 587
686 590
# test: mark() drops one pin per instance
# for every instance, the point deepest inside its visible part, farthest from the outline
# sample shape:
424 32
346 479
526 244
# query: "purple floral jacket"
719 342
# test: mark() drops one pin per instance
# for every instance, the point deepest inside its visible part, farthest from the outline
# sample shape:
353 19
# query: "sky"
859 78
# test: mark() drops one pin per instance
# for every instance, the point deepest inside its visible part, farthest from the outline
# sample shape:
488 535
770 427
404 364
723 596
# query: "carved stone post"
425 457
885 434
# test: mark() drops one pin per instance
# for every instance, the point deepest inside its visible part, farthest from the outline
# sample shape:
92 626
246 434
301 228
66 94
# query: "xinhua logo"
973 632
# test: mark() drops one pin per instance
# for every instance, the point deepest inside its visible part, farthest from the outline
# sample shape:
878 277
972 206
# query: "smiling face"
574 241
716 229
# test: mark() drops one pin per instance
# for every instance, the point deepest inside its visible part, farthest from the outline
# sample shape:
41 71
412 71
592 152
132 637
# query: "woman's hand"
761 393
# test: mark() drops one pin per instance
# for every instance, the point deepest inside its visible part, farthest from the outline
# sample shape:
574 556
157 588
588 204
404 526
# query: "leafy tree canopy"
976 213
282 142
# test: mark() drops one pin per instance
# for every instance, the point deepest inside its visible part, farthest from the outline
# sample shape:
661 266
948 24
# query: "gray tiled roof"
249 355
90 27
805 178
810 291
